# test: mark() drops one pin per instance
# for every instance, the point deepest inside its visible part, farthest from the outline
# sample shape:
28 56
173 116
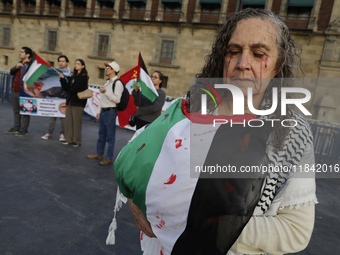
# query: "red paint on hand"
171 180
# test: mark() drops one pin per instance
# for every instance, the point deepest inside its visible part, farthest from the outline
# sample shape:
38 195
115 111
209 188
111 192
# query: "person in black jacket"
148 111
74 106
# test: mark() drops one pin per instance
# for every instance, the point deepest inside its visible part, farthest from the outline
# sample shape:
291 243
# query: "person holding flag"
63 62
19 70
74 106
151 98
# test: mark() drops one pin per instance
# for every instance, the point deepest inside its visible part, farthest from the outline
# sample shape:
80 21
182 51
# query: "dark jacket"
74 85
147 110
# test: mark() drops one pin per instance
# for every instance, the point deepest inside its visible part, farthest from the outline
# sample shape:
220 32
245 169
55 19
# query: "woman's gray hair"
288 62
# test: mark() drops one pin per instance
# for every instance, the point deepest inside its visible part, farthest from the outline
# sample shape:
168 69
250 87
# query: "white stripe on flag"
34 66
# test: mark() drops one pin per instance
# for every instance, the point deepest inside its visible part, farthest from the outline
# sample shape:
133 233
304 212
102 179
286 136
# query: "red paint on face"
265 62
171 180
178 143
230 58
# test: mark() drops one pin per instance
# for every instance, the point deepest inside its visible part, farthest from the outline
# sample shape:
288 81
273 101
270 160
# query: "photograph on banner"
49 96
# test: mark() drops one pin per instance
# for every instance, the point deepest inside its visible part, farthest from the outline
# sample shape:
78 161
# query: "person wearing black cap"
111 93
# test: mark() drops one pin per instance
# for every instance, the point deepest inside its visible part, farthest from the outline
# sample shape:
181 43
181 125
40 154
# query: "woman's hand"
61 75
142 223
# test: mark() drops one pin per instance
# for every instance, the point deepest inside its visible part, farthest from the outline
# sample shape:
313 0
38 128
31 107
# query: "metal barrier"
326 143
5 86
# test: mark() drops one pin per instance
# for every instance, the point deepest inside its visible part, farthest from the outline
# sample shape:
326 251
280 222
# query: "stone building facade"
172 35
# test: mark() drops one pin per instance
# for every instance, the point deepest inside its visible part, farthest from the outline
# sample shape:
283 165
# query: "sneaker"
12 131
21 133
95 156
47 136
75 145
62 138
66 143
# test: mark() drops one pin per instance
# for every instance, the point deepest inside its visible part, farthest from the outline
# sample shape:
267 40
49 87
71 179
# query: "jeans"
107 132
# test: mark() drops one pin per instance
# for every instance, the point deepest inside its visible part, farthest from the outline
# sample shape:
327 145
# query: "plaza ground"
53 200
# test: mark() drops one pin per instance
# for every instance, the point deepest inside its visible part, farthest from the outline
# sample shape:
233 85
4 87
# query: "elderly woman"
271 214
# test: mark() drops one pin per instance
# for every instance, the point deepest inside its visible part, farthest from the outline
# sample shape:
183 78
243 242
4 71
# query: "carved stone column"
197 13
184 11
96 13
126 14
14 11
269 5
160 12
284 8
116 9
147 15
37 7
313 21
223 12
70 8
88 8
62 9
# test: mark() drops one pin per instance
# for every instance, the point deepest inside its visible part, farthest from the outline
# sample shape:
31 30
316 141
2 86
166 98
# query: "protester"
148 111
21 123
74 106
63 62
273 215
110 96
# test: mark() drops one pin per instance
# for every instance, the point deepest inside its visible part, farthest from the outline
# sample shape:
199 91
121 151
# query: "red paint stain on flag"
171 180
161 224
178 143
140 148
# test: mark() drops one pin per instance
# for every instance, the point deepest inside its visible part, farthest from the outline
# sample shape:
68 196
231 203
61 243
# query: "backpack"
124 100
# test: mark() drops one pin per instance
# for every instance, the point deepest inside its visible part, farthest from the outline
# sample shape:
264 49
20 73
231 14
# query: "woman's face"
252 54
155 79
78 66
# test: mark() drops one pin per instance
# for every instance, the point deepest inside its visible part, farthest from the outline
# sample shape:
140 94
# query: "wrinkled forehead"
255 30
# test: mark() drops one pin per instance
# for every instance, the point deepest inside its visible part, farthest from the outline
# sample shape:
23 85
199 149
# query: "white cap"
114 66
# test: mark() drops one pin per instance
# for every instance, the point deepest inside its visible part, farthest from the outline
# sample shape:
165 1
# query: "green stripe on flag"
35 76
146 91
136 161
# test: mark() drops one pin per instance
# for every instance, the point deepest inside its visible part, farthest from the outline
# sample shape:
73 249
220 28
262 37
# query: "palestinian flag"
129 79
189 212
36 69
144 81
